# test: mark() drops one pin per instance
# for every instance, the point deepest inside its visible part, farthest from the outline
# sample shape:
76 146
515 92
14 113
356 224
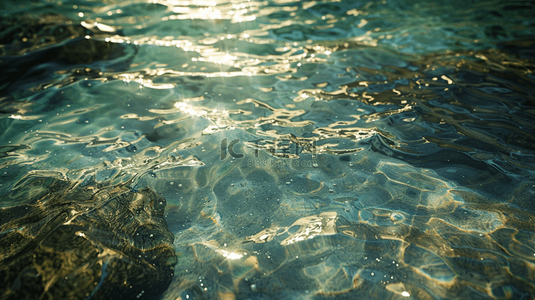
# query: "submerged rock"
62 240
33 47
24 34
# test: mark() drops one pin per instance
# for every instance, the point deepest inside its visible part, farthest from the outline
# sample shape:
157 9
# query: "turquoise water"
305 149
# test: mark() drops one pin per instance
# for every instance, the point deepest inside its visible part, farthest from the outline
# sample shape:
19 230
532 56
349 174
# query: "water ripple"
307 149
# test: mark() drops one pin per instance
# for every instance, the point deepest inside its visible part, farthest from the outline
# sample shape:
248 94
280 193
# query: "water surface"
306 149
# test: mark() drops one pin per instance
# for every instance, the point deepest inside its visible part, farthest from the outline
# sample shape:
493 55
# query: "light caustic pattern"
387 145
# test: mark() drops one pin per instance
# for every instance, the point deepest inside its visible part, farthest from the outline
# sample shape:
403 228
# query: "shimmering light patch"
447 79
230 255
189 109
236 12
322 224
100 26
21 117
224 59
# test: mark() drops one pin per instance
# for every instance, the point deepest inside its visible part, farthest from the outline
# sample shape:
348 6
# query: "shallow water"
306 149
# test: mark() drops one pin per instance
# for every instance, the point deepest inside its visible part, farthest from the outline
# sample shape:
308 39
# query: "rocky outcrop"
38 46
65 240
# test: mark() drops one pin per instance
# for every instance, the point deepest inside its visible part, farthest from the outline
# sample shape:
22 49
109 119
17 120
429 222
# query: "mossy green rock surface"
62 240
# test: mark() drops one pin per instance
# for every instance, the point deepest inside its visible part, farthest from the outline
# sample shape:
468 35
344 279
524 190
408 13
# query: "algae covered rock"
64 240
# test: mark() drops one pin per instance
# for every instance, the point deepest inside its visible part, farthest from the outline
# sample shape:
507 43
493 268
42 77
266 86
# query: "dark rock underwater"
69 240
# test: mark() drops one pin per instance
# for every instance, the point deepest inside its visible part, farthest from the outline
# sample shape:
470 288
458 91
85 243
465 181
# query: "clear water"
306 149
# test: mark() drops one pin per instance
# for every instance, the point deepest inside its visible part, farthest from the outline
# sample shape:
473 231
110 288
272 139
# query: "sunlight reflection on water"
306 149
